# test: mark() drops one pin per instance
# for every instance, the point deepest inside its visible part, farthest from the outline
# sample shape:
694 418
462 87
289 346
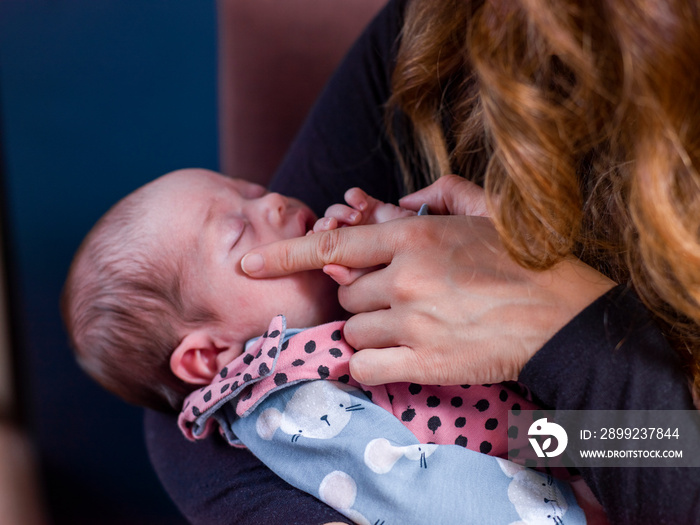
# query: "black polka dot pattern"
482 405
414 389
336 335
336 352
310 347
323 372
280 378
408 414
433 401
434 423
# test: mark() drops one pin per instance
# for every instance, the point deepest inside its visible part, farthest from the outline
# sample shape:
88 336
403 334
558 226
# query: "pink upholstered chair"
274 58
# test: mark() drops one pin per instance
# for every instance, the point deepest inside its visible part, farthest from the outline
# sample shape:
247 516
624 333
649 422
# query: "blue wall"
98 97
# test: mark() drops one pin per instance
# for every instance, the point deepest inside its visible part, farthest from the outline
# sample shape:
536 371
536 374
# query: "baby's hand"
360 209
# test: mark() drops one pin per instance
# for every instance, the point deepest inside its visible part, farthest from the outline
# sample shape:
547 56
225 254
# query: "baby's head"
155 301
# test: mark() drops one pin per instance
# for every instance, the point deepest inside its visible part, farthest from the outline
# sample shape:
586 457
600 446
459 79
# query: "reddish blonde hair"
581 119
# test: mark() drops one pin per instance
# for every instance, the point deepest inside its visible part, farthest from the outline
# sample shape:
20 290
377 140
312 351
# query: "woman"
580 121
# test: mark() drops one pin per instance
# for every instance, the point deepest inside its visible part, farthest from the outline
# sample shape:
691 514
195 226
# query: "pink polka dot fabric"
475 417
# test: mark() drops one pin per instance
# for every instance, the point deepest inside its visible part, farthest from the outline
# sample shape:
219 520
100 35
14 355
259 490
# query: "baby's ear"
195 359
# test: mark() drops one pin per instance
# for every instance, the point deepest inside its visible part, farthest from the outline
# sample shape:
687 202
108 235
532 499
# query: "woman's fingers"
449 195
346 276
357 247
379 366
366 293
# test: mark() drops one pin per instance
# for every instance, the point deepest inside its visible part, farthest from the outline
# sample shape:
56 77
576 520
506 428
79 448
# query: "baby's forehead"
208 180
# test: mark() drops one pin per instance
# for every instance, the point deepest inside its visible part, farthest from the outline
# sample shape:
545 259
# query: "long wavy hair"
581 118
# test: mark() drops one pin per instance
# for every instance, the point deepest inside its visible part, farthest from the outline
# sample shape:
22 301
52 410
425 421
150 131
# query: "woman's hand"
449 307
450 195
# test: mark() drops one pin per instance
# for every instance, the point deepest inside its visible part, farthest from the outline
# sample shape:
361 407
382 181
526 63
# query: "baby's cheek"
312 300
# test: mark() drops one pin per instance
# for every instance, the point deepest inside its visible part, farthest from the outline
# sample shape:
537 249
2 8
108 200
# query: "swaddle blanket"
328 438
474 416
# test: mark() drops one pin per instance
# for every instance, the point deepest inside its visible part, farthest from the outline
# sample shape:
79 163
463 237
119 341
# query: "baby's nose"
275 205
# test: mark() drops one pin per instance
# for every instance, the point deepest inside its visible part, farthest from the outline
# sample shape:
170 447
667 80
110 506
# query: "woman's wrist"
573 286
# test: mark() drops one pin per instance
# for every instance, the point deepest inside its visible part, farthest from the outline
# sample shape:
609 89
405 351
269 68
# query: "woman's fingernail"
252 262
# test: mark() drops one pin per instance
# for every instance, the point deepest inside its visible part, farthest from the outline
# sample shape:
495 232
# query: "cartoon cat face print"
536 497
317 410
381 455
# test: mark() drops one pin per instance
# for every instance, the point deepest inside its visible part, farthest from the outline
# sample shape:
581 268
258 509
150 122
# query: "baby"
158 309
155 301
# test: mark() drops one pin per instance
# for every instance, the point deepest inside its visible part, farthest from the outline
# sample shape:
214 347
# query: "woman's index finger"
354 247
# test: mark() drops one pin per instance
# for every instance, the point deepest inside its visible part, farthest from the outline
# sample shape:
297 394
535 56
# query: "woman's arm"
612 356
212 483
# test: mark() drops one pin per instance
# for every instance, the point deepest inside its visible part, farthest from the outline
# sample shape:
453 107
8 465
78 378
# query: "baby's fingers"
324 224
345 215
358 199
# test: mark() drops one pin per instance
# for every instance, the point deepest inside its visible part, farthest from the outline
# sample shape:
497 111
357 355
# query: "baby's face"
216 220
